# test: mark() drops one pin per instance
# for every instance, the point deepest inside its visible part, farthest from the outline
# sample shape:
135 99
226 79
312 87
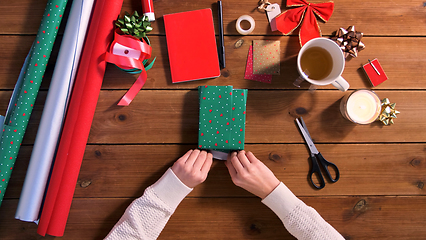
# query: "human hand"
251 174
193 167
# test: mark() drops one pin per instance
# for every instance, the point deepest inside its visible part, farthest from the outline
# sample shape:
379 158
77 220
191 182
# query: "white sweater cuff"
170 189
281 201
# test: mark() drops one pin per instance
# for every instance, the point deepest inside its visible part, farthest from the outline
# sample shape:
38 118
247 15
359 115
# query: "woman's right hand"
250 173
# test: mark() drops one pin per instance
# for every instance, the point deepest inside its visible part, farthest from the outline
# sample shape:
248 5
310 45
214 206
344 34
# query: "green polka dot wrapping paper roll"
222 118
19 112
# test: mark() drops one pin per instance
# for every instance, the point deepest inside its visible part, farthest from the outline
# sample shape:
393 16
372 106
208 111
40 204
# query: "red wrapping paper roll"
79 119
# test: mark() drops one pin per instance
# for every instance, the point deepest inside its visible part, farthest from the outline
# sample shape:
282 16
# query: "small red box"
375 72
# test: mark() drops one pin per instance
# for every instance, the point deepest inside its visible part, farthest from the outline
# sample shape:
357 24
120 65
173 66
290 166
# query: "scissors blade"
304 126
307 138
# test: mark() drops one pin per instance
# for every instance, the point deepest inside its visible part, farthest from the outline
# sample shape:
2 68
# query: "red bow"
129 63
292 18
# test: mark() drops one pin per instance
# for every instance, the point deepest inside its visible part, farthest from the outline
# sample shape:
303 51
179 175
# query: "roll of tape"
238 25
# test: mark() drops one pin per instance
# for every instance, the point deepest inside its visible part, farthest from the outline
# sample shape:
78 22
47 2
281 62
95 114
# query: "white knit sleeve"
301 221
146 216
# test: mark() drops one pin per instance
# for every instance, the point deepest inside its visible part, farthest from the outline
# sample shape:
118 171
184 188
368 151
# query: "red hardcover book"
191 44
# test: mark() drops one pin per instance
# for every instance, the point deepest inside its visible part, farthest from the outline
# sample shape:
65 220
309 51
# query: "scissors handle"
326 165
315 170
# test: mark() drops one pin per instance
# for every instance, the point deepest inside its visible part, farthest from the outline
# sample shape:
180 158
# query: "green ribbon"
19 111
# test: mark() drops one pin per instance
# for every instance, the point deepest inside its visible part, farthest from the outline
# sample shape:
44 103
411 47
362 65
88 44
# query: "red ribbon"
130 63
304 15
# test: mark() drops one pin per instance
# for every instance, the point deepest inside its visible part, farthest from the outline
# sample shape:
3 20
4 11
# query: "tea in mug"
316 63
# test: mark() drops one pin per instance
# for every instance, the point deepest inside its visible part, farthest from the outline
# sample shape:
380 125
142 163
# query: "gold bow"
388 112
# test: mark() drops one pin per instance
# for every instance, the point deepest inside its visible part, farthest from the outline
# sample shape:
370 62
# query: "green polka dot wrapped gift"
222 119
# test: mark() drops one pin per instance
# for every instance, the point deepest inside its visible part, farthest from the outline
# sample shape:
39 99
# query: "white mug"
335 76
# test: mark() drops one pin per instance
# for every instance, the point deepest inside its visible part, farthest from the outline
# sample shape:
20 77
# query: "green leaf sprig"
134 25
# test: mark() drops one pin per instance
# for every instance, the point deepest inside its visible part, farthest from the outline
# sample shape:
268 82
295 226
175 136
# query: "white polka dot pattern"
14 130
222 118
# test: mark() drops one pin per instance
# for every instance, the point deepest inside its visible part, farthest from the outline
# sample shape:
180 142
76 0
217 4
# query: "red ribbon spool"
125 62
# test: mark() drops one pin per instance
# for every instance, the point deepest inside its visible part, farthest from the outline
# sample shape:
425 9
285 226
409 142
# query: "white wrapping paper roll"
54 111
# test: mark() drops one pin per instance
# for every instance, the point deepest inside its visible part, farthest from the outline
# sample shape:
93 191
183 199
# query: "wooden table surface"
380 194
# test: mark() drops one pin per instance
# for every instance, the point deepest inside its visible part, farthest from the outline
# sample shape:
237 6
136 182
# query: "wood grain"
126 170
378 18
239 218
172 117
381 192
398 68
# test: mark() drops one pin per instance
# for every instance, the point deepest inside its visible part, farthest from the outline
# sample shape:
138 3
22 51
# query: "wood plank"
126 171
21 17
366 169
381 190
172 117
398 67
239 218
378 18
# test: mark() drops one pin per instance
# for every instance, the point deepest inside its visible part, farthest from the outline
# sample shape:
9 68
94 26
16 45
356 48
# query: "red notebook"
191 44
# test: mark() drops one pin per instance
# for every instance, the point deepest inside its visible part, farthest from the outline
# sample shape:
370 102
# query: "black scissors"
316 157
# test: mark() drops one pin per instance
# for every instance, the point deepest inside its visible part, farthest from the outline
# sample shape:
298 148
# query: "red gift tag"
375 72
